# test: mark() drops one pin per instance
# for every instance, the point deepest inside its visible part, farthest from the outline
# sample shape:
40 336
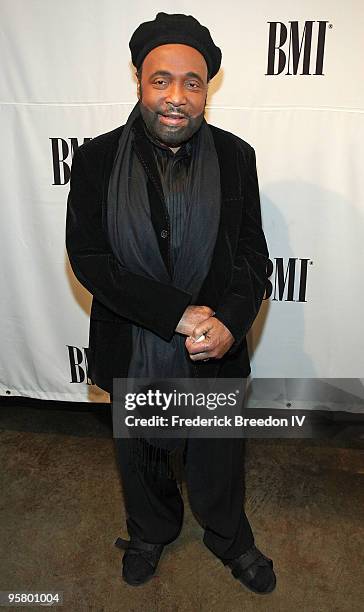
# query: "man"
164 229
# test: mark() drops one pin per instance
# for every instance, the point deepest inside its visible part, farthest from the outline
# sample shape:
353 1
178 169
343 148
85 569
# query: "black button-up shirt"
173 172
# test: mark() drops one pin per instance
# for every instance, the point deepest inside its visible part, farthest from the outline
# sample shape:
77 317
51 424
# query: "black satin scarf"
134 244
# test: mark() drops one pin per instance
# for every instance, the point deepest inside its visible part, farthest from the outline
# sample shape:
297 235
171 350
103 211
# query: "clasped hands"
197 321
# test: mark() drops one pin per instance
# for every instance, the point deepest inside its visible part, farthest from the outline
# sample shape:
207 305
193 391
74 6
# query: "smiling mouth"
172 119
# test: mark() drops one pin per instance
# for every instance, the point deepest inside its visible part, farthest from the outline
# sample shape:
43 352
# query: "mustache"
173 113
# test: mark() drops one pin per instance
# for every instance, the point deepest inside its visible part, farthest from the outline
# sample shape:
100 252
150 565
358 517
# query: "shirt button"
164 233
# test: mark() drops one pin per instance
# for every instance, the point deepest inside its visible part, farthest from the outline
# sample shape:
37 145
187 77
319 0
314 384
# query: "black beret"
169 29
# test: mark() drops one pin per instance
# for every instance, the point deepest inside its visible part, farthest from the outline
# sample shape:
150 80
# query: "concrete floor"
62 509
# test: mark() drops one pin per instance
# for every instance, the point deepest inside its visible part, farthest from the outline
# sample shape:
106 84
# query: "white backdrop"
66 74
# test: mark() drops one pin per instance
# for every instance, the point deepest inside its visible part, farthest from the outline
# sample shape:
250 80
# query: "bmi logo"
288 282
296 47
78 364
62 153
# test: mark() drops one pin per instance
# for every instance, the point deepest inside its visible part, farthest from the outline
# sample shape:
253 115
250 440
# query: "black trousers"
214 474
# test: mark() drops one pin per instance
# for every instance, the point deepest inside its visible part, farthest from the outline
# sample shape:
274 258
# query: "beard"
170 135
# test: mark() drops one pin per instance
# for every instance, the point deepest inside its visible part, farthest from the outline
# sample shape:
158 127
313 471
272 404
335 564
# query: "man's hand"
218 340
192 316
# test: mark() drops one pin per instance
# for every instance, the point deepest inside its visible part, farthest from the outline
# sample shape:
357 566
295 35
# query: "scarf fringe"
147 458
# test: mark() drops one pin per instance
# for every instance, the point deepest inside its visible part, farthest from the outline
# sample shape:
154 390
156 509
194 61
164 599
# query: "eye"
193 84
160 82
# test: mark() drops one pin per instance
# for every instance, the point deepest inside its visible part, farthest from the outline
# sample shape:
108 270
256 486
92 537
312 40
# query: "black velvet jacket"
234 287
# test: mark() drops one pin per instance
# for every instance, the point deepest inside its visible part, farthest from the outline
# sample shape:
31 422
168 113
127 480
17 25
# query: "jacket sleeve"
240 304
140 299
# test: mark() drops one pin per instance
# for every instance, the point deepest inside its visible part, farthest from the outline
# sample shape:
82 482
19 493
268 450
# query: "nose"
176 94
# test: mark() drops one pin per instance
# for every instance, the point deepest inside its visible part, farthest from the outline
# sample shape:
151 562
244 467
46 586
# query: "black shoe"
254 570
140 560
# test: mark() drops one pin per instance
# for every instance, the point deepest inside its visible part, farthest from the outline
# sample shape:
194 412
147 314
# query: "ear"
139 85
